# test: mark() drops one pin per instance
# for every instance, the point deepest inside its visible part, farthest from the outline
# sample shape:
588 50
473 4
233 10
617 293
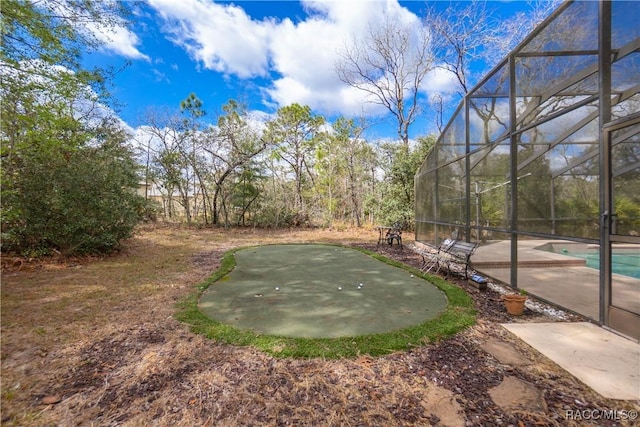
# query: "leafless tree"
512 31
171 167
232 145
461 36
390 64
473 37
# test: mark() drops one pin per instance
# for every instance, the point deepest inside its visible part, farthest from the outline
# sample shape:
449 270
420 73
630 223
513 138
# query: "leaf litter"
133 364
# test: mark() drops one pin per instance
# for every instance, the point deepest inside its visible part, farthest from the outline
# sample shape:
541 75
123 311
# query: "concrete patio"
607 362
603 360
560 279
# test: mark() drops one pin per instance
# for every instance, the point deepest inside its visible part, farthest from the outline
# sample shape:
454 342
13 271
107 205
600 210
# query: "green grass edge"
457 316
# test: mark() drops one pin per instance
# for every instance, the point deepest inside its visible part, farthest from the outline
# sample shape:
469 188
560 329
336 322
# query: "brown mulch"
153 371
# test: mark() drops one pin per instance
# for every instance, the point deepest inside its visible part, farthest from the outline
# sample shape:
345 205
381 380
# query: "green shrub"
75 202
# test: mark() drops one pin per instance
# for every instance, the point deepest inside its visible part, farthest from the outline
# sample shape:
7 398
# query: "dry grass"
99 338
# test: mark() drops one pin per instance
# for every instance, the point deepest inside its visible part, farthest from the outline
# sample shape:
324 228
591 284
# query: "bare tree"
390 64
461 36
472 37
194 131
232 147
512 31
168 162
358 156
438 105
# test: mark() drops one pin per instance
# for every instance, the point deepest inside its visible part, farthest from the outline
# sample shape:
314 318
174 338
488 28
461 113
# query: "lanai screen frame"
542 108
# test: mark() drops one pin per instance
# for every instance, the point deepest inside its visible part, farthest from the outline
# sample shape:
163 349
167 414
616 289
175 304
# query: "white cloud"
222 38
441 82
118 40
160 76
257 120
340 99
299 57
305 54
112 32
86 105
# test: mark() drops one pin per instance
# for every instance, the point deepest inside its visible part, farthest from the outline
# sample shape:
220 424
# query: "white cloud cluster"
299 57
222 37
109 30
119 40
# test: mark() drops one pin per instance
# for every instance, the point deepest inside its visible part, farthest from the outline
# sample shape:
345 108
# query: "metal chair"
395 233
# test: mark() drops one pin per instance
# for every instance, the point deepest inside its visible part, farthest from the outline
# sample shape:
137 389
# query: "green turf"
313 291
458 315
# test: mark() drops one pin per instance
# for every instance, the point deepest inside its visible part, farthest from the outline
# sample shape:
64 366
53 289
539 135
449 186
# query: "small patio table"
383 232
389 234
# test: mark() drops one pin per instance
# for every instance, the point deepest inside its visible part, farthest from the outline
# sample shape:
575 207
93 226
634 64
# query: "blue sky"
266 54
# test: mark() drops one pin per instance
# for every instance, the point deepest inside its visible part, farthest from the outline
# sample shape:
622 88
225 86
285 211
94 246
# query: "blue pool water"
627 264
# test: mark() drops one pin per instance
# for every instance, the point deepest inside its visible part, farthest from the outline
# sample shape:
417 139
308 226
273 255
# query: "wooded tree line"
295 169
299 169
71 175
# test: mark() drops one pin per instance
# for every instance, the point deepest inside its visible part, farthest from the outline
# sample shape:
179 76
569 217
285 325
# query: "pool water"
621 263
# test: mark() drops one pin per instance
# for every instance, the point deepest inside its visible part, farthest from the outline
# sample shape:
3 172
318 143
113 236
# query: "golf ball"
277 288
339 288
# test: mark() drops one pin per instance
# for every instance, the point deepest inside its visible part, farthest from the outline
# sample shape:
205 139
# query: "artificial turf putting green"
313 291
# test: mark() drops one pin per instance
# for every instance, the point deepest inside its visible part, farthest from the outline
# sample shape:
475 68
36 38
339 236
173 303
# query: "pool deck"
604 360
558 278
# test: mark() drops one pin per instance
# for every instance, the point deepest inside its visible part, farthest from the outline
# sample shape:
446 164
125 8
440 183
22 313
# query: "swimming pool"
625 261
625 264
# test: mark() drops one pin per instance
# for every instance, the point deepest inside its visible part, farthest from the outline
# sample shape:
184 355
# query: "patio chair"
395 233
432 260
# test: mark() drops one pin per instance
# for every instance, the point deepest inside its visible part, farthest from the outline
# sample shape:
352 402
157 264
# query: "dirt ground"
93 342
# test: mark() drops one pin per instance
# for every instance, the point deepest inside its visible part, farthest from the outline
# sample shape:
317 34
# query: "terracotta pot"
514 303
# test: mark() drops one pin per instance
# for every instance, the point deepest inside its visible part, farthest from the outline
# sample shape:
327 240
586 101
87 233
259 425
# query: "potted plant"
514 303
